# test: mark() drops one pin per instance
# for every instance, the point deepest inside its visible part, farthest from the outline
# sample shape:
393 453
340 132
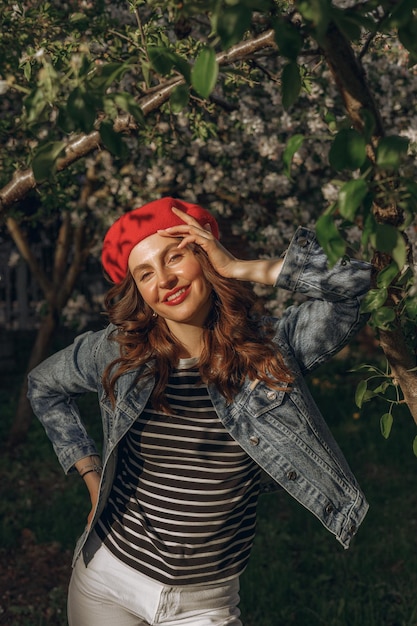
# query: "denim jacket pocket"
262 398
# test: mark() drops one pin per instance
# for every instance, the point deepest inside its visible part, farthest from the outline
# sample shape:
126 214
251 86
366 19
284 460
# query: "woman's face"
171 281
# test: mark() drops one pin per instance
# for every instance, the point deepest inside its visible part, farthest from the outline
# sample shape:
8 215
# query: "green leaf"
386 424
43 162
127 102
362 21
256 5
36 106
406 278
291 84
369 124
78 19
390 151
105 75
407 34
367 368
288 38
388 239
373 300
330 238
348 150
65 122
411 308
412 59
415 445
80 108
411 186
179 98
387 275
27 70
146 72
381 389
360 393
317 12
293 144
182 66
351 196
232 24
349 27
161 59
112 140
369 227
401 13
204 73
383 318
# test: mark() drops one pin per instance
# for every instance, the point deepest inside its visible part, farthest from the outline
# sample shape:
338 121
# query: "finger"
190 233
188 219
194 238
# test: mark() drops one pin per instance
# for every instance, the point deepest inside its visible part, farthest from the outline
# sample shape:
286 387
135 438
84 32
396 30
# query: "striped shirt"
182 509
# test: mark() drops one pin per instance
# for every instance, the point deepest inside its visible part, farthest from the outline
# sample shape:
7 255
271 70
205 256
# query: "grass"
298 575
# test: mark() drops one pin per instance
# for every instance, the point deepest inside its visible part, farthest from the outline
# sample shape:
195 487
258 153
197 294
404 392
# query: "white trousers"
110 593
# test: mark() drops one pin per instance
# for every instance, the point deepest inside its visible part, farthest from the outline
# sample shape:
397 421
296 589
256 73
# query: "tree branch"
23 246
61 250
349 76
81 252
402 363
81 145
350 79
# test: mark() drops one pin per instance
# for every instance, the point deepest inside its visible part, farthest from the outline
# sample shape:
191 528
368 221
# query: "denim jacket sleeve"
53 388
324 323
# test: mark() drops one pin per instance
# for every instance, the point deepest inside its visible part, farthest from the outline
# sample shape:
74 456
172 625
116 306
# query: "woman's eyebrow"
161 255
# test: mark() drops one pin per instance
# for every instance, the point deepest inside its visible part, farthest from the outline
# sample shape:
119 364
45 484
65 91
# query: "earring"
154 314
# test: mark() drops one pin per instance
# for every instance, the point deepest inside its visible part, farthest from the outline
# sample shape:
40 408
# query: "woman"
197 394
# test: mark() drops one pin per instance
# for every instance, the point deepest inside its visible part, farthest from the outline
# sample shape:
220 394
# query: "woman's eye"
146 276
174 257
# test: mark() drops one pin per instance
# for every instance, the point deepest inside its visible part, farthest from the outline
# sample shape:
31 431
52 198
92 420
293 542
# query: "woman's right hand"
92 480
263 271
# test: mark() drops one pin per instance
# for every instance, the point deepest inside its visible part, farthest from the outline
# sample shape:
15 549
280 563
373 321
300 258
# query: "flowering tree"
270 112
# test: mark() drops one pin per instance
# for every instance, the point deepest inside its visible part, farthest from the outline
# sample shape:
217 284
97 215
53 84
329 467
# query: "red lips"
177 299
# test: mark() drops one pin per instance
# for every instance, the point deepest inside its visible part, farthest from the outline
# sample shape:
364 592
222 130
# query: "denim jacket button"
292 475
302 241
329 509
271 394
254 440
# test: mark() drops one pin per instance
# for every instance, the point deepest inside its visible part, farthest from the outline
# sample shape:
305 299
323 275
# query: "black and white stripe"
183 506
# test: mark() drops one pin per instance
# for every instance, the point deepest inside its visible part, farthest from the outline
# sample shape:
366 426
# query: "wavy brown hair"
237 342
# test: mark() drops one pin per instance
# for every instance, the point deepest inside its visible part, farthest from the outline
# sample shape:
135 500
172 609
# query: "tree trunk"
39 352
57 290
350 78
402 363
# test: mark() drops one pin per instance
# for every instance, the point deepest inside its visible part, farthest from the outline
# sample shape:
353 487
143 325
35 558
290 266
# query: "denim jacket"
283 431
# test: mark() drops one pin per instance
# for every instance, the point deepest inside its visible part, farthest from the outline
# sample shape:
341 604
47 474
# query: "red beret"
136 225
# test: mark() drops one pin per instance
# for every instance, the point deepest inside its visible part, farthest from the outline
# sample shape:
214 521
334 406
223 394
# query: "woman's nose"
167 279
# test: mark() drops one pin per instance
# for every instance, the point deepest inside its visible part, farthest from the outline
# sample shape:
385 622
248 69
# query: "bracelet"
93 464
97 469
90 468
